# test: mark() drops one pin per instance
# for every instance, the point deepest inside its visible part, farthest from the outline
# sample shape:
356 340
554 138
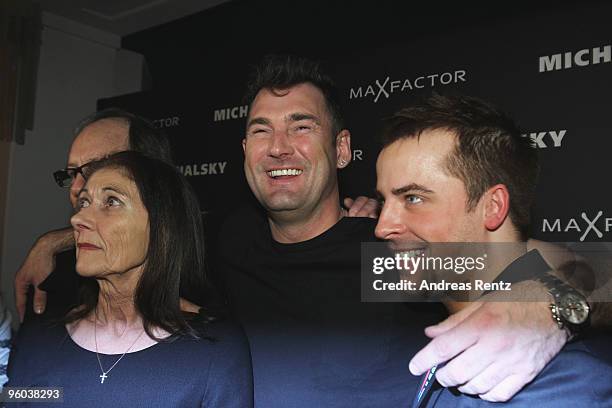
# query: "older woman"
139 241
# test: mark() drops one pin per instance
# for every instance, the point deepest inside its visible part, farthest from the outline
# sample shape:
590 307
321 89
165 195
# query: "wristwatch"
570 309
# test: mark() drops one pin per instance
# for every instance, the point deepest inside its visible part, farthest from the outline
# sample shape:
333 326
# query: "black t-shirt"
313 342
186 372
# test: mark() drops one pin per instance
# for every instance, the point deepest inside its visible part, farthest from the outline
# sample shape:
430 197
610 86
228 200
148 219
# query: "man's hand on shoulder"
493 348
37 266
361 207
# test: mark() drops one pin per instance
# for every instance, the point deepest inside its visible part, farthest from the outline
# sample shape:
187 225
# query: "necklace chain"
104 376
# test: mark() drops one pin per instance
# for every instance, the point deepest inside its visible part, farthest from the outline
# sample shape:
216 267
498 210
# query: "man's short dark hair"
143 136
279 72
489 149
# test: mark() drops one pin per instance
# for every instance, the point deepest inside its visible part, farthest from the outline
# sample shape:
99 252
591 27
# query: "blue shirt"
186 372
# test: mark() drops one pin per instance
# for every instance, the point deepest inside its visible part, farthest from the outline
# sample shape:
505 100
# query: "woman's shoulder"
40 330
221 347
222 358
219 336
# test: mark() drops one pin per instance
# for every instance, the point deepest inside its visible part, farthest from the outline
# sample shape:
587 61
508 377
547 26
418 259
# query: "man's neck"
302 227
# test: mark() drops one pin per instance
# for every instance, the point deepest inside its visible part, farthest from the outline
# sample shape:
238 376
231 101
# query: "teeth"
411 253
284 172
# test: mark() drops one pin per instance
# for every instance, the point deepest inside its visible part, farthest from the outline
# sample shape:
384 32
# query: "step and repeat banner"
552 73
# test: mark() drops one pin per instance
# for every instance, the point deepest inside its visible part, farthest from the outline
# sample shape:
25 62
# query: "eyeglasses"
65 177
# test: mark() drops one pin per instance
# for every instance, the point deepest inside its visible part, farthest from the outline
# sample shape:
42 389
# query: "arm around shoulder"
38 265
591 278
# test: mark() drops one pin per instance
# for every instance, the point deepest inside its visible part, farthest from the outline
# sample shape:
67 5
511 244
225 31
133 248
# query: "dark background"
200 64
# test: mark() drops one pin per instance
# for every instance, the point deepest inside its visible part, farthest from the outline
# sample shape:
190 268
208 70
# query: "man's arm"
592 282
38 265
493 349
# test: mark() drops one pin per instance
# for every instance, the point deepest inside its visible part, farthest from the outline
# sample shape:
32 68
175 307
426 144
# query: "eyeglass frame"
76 171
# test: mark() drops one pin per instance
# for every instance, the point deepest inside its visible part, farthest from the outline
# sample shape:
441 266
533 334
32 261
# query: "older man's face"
422 202
96 141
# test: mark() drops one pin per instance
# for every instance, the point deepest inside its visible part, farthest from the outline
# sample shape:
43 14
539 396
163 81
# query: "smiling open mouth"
411 253
284 172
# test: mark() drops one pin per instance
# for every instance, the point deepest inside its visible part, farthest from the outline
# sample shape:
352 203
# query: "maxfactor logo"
170 121
587 226
384 88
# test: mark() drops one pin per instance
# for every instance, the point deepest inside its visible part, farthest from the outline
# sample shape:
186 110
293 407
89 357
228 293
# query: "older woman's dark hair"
174 263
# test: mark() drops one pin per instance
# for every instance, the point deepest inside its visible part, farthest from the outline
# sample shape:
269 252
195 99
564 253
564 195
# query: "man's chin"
280 206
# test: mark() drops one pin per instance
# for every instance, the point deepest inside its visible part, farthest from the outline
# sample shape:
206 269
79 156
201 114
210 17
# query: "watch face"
573 308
